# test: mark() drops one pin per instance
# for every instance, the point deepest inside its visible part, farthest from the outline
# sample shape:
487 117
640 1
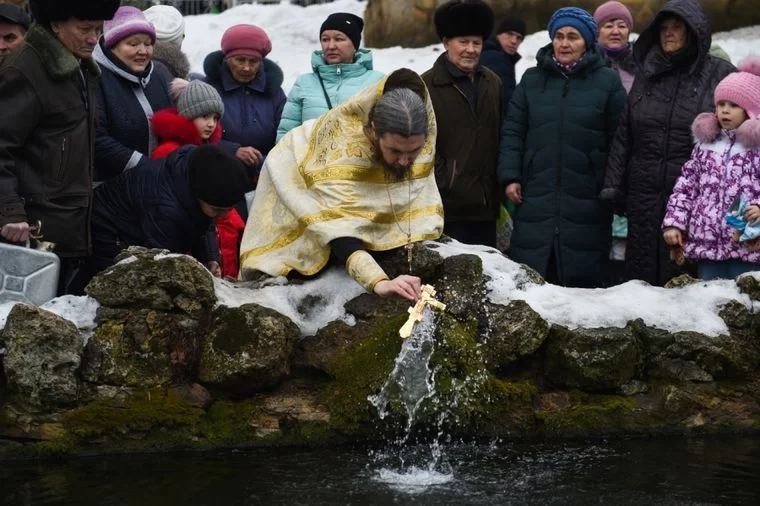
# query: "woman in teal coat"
340 71
561 121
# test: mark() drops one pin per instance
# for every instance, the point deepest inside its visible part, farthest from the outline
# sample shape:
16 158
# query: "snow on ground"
80 311
694 307
311 305
294 32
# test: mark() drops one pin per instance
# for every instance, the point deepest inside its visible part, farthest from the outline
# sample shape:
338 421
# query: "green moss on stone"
229 423
141 413
237 333
475 399
360 371
598 415
56 448
124 361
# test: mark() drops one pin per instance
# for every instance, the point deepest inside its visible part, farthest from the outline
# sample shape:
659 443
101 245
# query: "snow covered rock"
516 331
154 279
750 284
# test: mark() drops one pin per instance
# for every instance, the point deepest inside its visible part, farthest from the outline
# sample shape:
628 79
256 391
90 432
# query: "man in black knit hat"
169 204
500 54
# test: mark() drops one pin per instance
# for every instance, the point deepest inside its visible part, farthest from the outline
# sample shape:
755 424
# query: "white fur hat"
169 23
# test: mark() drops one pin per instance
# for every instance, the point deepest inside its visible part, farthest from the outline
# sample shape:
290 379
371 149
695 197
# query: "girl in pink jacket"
724 167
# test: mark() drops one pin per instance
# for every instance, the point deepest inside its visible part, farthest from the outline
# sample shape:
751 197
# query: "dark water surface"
615 472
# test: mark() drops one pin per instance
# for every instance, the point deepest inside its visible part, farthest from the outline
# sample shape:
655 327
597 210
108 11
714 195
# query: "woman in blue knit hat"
561 121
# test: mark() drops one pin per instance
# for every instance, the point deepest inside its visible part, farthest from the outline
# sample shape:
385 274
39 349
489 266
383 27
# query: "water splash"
412 382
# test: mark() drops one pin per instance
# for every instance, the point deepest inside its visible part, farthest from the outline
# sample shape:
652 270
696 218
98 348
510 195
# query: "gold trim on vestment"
322 182
353 173
365 270
334 214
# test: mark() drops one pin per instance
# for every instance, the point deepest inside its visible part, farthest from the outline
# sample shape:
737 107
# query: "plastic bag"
735 218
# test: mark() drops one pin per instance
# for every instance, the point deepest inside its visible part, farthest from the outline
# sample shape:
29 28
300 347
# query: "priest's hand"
408 287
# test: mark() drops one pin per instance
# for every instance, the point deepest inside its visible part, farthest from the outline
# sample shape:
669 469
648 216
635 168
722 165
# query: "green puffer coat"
557 137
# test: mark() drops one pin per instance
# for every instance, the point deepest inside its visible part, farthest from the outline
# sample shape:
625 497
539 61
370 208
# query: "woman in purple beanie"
131 89
615 23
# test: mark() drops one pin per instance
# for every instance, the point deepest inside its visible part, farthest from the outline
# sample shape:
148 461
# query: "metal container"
28 275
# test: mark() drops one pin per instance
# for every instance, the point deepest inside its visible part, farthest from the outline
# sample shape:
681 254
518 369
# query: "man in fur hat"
47 95
467 101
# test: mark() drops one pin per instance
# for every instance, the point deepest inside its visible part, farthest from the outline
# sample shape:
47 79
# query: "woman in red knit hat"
251 89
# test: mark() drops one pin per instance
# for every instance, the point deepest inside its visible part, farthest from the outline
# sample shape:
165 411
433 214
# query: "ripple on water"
413 480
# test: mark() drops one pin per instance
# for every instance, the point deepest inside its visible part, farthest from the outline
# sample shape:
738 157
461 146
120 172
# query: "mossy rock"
593 359
247 350
426 263
143 412
681 281
153 279
116 355
368 306
319 352
229 423
516 331
721 357
596 416
43 353
474 400
360 370
463 286
750 284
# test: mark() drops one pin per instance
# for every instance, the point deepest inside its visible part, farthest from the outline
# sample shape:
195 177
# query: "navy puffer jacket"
151 205
252 111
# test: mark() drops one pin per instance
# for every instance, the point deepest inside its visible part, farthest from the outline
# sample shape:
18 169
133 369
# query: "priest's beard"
396 172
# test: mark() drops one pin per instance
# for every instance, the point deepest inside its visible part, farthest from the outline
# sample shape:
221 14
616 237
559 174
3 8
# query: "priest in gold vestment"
356 181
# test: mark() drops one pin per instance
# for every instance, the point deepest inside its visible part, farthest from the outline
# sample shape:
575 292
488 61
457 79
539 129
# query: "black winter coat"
558 133
126 103
654 138
152 205
503 65
47 133
467 145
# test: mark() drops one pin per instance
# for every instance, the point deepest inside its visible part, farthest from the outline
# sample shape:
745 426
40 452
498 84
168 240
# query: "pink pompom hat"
743 87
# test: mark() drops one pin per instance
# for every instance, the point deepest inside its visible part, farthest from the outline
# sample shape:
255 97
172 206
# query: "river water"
670 471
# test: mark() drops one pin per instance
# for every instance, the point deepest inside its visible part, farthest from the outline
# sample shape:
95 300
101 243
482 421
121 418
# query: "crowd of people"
616 160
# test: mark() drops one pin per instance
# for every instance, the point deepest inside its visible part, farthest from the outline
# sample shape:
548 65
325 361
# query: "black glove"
614 199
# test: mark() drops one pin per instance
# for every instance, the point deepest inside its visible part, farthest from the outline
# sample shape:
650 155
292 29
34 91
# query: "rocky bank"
173 365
